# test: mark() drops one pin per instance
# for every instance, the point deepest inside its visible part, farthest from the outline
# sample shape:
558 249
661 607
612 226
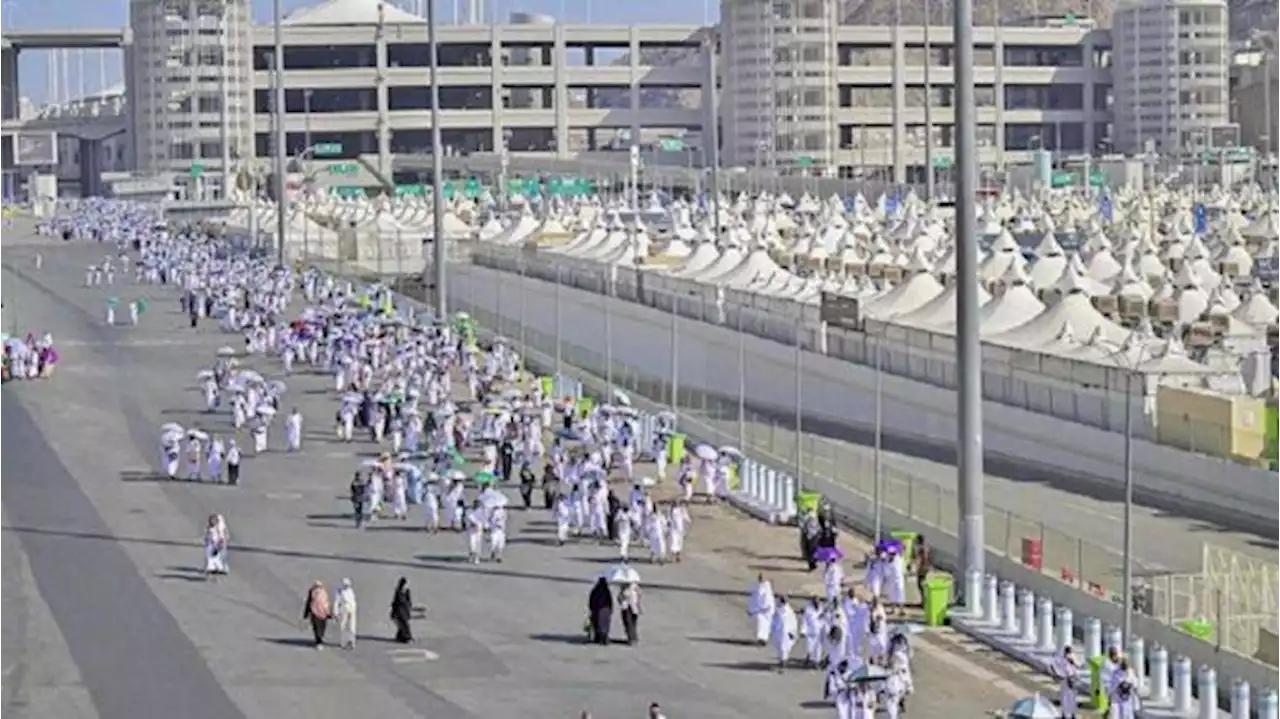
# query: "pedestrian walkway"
494 636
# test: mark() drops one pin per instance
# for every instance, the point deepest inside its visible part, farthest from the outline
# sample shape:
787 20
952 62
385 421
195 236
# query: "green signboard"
671 144
350 192
1067 179
410 190
344 168
806 161
197 170
942 162
327 149
472 188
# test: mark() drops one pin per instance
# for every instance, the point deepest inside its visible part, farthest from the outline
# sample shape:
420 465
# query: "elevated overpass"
14 41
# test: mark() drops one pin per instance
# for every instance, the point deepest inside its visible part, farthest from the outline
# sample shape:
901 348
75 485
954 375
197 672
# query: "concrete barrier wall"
842 392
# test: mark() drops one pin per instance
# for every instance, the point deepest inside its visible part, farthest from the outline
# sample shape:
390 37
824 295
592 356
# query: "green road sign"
411 190
327 149
472 188
806 161
350 192
344 168
671 144
197 169
1070 20
942 163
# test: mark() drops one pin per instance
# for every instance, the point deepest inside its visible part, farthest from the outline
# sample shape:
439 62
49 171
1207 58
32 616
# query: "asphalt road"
1059 513
106 614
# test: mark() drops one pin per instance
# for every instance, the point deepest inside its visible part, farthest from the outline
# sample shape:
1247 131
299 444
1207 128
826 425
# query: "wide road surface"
1018 505
105 613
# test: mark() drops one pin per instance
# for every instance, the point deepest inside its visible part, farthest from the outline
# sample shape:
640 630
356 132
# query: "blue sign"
1267 269
891 204
1201 216
1106 208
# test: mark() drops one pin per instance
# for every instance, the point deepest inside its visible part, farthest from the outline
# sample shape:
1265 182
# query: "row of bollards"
1038 623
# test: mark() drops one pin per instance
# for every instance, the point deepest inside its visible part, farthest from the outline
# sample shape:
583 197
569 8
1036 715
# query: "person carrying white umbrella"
195 440
260 423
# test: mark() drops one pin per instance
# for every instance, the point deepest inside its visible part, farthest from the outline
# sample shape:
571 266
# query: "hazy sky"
34 66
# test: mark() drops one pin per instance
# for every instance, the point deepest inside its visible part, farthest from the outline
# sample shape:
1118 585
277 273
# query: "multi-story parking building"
798 89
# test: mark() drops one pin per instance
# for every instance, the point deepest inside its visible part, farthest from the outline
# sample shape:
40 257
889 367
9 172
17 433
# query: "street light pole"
437 173
878 491
282 202
799 406
968 345
1127 591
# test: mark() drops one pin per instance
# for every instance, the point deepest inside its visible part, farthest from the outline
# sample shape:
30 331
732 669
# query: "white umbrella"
706 452
171 427
647 481
198 434
625 411
1033 707
621 398
248 376
493 500
276 386
266 410
733 452
353 398
204 374
172 436
457 475
226 351
622 574
372 462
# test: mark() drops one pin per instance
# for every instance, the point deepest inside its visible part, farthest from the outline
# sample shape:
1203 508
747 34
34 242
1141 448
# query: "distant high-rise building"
190 70
1171 70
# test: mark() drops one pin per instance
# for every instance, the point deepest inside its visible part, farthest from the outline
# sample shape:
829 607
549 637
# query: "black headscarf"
401 601
601 597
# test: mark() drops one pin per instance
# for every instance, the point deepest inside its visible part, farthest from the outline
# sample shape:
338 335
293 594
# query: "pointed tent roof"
352 12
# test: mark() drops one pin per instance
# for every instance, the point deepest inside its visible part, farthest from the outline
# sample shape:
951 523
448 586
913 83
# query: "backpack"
319 603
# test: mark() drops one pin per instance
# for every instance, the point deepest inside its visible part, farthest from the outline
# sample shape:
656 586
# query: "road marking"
283 495
412 655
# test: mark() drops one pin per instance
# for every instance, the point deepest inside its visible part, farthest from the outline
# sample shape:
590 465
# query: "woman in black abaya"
401 611
600 609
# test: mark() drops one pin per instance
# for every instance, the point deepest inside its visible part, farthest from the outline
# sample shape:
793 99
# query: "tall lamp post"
282 202
1129 357
437 169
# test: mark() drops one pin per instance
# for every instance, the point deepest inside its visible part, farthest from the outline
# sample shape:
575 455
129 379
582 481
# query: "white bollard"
133 313
88 278
1138 660
1241 700
1027 616
788 505
39 260
1158 675
1008 608
1045 639
111 314
1065 627
973 593
991 600
1208 686
1092 637
1269 705
1113 639
1182 687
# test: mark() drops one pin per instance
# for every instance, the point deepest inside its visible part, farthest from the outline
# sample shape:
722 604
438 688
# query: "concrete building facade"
189 80
1172 68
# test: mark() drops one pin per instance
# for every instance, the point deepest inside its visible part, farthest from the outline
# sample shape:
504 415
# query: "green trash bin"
937 600
1097 691
807 502
908 540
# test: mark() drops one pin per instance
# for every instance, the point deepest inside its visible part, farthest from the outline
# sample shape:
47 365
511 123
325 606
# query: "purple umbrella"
828 554
889 546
